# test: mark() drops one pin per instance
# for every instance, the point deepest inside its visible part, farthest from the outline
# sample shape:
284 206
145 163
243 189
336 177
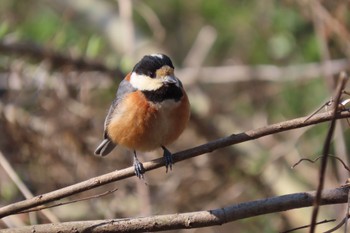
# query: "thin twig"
306 226
341 223
346 92
22 187
328 103
197 219
316 159
342 81
157 163
70 202
347 214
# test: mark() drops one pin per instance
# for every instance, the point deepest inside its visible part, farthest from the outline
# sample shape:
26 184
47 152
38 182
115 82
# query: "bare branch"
347 214
343 78
328 103
194 219
340 224
22 187
70 202
316 159
156 163
306 226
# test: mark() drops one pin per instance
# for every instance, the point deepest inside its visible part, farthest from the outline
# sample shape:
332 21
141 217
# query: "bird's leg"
138 167
168 156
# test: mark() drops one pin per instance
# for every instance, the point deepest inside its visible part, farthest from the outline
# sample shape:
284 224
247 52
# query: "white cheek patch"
145 83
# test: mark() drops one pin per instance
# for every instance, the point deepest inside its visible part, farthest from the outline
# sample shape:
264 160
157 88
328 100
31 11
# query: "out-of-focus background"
244 64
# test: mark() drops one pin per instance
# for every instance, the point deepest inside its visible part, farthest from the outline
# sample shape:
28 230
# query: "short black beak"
170 79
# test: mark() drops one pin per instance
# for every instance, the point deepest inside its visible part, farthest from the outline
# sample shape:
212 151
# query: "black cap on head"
149 64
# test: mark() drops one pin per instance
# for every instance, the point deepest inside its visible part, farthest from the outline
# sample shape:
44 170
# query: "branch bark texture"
193 219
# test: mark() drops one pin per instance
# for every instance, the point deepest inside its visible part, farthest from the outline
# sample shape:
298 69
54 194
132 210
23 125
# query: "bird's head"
153 72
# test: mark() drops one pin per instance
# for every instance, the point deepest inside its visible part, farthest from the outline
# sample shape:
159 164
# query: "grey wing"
124 88
106 146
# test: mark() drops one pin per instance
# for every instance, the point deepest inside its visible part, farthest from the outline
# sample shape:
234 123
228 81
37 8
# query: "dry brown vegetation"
248 67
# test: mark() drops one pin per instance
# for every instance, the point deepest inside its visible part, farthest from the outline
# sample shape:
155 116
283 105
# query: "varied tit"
151 109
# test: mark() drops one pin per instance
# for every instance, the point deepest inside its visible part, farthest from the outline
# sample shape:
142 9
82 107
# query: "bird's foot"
138 167
168 156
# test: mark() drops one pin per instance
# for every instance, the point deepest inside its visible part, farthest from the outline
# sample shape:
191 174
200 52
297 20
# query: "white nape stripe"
157 55
145 83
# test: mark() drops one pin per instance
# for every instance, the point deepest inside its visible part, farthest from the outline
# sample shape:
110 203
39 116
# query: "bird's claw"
138 168
168 157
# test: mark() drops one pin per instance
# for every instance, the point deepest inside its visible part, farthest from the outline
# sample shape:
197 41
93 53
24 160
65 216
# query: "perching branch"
156 163
193 219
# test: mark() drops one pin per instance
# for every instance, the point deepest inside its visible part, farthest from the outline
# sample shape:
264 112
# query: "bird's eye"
151 74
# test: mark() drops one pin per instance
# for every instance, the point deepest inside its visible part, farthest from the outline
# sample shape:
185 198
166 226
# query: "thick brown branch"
194 219
156 163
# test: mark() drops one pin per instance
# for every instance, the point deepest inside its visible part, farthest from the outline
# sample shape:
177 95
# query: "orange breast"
144 126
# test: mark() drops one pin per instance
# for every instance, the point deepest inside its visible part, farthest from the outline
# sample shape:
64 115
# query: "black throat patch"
166 92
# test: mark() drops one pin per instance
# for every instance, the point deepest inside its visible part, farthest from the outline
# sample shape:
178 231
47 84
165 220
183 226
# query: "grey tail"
105 147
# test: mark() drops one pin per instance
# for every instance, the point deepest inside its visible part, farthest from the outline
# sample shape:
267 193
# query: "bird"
151 110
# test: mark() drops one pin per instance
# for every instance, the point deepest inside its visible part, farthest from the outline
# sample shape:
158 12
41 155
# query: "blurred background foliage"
244 64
